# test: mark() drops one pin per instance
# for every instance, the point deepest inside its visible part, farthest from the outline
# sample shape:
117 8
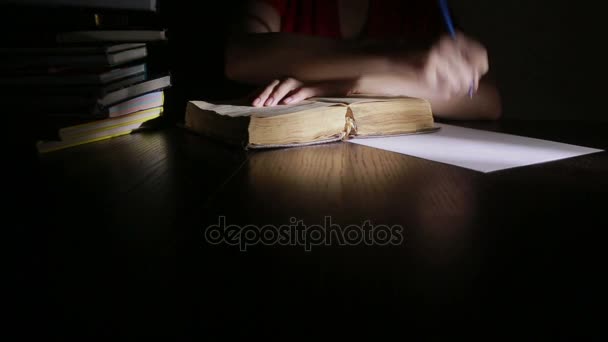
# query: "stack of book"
94 80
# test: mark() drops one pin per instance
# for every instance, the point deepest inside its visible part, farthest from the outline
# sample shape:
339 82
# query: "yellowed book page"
313 126
359 99
387 118
263 112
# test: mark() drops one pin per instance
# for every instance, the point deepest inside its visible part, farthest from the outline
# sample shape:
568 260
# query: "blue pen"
445 10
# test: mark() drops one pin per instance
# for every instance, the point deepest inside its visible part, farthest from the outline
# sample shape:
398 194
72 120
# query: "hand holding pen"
456 63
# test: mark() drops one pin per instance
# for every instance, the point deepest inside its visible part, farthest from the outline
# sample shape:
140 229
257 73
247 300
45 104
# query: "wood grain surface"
116 244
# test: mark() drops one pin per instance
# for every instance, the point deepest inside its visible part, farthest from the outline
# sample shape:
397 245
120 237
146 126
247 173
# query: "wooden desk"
121 250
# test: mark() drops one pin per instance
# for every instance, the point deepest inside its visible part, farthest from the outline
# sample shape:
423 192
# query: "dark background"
547 55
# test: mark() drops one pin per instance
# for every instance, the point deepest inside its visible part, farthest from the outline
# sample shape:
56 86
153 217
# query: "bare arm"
485 104
259 54
260 58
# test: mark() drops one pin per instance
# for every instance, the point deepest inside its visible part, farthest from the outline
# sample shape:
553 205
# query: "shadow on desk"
119 248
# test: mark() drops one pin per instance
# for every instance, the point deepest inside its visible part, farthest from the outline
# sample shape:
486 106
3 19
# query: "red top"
387 19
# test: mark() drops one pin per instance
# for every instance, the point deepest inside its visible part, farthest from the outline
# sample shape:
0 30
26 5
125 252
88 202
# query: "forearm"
260 58
484 105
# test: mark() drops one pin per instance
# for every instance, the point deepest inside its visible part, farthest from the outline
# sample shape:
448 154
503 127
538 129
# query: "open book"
315 121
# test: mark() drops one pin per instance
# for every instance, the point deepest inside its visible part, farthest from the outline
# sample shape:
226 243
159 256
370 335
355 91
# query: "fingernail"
256 101
269 101
287 100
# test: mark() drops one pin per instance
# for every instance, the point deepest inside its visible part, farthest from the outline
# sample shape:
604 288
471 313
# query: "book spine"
122 73
127 56
143 102
134 91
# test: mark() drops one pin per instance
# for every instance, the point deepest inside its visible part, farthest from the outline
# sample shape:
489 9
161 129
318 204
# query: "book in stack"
88 84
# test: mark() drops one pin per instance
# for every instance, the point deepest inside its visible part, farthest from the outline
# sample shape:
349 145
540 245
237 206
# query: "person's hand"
447 70
290 91
452 66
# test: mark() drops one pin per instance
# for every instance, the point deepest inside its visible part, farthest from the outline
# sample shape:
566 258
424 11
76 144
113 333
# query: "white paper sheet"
476 149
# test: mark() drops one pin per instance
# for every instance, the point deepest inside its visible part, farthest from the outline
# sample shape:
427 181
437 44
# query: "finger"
331 88
460 72
438 77
452 65
448 77
261 99
479 61
430 74
482 63
289 97
464 74
443 90
302 94
477 56
281 90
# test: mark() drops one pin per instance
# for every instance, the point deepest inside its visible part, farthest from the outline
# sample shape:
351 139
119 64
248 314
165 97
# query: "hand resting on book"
291 91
